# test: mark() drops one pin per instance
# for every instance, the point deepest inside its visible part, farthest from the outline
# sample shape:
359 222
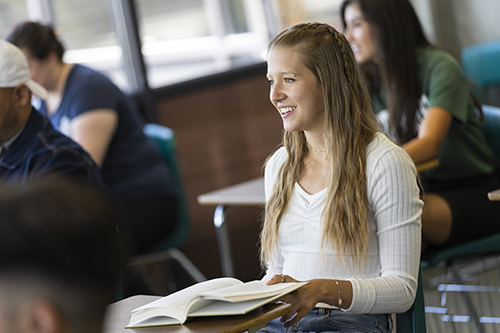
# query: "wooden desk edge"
118 315
427 165
276 312
494 195
247 193
231 201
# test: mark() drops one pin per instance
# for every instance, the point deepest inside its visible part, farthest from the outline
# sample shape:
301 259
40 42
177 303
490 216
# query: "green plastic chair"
481 64
164 138
168 248
476 250
491 126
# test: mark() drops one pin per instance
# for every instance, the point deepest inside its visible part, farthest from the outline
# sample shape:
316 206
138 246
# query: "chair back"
491 127
481 65
164 138
413 320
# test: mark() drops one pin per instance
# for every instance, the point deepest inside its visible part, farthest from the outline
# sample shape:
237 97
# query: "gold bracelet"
339 299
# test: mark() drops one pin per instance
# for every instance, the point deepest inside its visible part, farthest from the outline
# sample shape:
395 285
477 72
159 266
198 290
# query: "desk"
249 193
494 195
118 316
427 165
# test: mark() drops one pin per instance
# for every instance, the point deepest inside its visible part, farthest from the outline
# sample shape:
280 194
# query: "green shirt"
465 152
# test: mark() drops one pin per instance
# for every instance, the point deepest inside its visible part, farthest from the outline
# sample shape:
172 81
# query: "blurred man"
29 146
60 258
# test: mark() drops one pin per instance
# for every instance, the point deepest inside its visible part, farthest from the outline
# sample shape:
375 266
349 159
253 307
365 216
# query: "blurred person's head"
16 88
385 36
60 259
379 30
42 48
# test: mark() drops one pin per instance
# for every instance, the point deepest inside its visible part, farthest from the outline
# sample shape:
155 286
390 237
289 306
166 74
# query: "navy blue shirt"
40 150
132 167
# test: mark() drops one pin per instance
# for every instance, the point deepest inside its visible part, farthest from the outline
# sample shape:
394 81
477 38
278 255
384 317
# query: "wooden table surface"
118 316
246 193
494 195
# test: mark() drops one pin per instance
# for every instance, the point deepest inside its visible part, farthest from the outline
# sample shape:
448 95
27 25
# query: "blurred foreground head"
60 258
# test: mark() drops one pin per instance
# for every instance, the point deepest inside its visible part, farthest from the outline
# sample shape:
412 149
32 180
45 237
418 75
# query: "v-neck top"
388 282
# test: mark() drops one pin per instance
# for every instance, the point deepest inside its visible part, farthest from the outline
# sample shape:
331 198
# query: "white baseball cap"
14 70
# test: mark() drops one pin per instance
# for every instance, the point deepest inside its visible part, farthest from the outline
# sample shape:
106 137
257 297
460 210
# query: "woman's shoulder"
433 52
381 147
79 70
380 143
431 58
273 164
87 89
88 79
277 158
387 163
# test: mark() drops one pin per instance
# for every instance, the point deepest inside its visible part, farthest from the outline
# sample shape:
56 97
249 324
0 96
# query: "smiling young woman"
341 198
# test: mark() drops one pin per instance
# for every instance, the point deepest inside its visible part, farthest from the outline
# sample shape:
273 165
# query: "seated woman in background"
421 96
90 109
342 201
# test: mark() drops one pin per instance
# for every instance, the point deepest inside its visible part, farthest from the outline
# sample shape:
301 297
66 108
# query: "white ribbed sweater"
389 281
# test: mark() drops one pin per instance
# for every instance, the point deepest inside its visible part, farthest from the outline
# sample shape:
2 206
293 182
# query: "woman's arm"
396 208
431 135
93 130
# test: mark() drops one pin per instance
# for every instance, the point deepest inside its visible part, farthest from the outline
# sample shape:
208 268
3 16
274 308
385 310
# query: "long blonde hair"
350 126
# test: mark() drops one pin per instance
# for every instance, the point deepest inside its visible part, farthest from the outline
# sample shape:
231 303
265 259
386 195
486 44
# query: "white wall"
454 24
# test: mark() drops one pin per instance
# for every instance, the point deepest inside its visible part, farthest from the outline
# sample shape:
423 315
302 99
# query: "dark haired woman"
422 99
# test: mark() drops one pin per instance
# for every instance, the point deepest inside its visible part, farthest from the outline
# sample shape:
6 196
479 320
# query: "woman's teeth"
287 109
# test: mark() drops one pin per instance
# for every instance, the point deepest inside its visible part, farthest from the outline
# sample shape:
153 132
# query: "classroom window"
87 32
11 12
186 39
181 39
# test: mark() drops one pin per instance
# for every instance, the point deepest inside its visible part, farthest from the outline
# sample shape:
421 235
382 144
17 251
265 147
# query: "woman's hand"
302 300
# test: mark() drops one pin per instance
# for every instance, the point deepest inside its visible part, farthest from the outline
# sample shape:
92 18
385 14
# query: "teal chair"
481 252
167 250
491 126
481 64
413 320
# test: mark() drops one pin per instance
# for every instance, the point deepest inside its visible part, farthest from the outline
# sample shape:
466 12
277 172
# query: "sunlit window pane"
324 11
86 30
174 19
11 12
290 12
188 39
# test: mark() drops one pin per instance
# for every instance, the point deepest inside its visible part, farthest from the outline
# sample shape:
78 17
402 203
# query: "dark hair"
397 34
38 39
57 232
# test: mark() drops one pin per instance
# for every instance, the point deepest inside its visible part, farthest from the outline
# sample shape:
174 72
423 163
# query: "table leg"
223 240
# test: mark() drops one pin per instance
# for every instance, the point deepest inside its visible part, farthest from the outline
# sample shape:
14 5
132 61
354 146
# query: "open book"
216 297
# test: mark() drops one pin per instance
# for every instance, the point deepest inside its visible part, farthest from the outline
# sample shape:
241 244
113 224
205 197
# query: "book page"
226 308
176 305
250 290
221 308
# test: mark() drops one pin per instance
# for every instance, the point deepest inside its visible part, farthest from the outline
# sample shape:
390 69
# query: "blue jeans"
333 321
